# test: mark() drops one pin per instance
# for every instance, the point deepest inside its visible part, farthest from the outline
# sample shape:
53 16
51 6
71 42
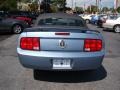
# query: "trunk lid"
50 41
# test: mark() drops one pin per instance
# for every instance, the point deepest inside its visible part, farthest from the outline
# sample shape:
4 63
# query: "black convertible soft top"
58 28
58 15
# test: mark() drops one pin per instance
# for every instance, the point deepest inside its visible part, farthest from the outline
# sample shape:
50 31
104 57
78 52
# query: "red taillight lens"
30 43
92 45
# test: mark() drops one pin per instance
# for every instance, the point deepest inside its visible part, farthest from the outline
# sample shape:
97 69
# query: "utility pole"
116 5
100 6
39 3
91 7
97 5
75 6
84 7
72 4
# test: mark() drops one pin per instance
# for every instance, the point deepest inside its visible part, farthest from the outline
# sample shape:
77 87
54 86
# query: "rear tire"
17 29
87 21
117 29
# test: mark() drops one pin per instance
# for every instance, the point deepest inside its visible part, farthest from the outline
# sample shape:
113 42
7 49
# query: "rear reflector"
30 43
92 45
62 33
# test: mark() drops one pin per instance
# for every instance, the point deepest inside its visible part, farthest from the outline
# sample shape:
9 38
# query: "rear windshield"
61 21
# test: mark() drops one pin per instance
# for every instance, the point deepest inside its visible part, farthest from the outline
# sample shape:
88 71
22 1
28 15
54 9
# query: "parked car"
60 42
101 19
87 18
31 15
112 23
94 19
12 25
25 19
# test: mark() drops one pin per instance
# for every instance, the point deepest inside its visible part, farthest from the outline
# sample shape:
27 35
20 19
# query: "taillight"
92 45
30 43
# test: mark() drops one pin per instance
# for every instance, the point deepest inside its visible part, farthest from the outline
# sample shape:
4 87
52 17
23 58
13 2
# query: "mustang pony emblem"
62 44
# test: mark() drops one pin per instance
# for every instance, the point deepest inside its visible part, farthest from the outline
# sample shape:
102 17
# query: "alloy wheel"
17 29
117 29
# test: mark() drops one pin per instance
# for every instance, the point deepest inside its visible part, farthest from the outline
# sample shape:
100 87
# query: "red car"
24 18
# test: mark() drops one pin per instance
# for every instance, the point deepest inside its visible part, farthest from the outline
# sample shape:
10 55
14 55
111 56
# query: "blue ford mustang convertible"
60 42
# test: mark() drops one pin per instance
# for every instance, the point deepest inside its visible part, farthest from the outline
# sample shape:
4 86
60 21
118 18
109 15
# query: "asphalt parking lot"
4 36
15 77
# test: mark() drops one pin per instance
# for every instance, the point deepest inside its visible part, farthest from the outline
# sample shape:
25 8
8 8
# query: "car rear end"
61 49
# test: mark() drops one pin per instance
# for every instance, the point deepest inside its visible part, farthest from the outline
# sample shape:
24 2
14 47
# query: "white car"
87 18
113 24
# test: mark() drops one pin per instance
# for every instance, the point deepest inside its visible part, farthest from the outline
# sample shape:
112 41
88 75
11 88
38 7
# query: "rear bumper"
43 60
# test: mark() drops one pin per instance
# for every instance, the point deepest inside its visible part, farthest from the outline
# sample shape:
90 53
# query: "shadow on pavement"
71 77
106 30
4 36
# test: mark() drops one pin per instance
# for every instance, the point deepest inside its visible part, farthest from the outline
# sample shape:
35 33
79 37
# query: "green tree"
8 5
118 9
61 4
78 9
33 6
105 9
112 10
24 1
92 9
54 8
45 6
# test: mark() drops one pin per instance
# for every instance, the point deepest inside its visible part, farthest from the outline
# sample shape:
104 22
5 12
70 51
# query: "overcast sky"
80 3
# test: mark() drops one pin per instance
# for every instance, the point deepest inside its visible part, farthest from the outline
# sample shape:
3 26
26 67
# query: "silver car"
60 42
112 23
